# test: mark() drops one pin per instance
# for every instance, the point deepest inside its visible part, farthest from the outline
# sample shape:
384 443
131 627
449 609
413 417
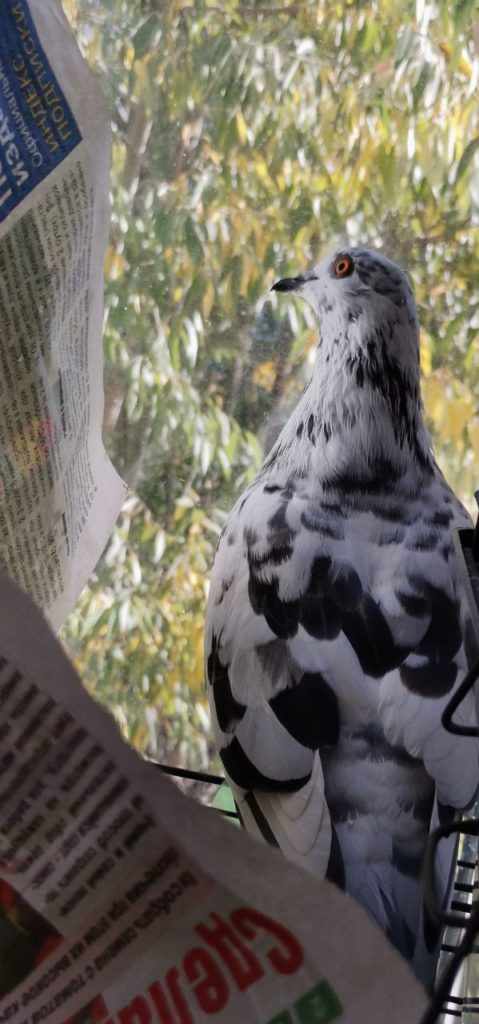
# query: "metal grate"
452 996
456 994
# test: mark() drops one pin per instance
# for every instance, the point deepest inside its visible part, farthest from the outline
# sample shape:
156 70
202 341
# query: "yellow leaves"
226 244
425 344
449 404
452 412
212 154
142 77
281 182
241 128
93 45
239 222
434 395
261 168
181 508
193 672
433 392
71 11
128 54
437 290
429 219
473 433
321 182
182 608
245 276
362 165
133 644
463 64
115 264
261 242
264 374
457 415
302 236
208 300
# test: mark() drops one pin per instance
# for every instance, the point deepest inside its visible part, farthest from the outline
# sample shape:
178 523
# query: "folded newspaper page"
124 902
59 494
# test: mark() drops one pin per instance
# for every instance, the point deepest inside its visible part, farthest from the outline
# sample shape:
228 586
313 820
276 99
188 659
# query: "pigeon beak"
289 284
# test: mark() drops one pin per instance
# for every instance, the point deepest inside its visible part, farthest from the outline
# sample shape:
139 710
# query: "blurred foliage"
247 138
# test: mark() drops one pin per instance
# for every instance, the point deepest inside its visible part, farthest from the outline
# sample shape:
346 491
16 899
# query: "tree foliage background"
248 138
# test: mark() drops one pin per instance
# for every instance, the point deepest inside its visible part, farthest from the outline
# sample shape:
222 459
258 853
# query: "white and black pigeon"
333 636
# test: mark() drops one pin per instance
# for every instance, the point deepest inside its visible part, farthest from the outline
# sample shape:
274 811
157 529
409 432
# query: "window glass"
248 138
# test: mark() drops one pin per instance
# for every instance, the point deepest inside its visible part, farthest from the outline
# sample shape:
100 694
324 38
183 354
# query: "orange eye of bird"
342 266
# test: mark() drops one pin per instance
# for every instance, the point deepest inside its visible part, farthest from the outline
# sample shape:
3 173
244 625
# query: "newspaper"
59 494
123 901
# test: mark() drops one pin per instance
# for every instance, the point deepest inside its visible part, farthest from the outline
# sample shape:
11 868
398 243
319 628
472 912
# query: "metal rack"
456 997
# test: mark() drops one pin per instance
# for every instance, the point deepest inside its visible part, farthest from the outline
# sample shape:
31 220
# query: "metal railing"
456 995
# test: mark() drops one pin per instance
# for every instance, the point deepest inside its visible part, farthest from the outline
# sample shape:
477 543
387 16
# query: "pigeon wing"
273 637
307 631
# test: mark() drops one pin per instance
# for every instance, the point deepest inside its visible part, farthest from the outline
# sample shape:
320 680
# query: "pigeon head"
360 295
365 387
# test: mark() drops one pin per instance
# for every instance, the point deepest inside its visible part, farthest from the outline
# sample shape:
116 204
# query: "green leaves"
147 37
192 241
466 159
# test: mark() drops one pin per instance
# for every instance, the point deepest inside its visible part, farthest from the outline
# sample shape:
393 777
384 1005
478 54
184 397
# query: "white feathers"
300 821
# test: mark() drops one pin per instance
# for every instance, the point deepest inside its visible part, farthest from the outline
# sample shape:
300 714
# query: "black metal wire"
468 918
440 997
456 700
468 925
470 826
188 773
206 777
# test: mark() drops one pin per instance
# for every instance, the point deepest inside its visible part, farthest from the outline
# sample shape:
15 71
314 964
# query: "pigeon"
335 621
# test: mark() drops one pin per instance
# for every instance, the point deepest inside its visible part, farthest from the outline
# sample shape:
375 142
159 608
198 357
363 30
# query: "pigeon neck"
360 416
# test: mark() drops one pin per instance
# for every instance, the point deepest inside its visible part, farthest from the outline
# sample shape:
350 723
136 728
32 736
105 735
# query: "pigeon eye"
342 266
